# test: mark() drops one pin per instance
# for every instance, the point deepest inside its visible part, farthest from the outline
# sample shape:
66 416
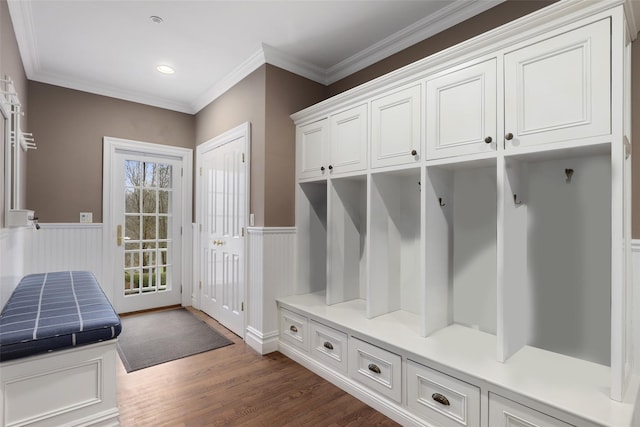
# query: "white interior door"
222 200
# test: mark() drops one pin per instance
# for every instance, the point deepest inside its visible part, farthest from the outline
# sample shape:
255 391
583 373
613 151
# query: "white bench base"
73 387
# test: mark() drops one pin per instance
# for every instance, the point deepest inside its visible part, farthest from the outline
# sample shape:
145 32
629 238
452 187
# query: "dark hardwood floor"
235 386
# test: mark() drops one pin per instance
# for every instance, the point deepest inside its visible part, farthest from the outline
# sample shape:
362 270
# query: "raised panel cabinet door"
348 142
311 146
461 111
559 89
395 128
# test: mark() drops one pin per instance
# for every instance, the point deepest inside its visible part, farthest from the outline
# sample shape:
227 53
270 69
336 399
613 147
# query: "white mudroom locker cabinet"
463 230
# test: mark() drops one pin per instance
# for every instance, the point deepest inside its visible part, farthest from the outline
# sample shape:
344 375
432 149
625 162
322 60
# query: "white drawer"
442 399
376 368
507 413
294 328
329 346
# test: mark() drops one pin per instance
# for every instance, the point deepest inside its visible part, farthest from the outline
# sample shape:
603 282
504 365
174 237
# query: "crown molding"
421 30
24 29
112 92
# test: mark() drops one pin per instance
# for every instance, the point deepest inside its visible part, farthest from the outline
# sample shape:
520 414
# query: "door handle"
119 236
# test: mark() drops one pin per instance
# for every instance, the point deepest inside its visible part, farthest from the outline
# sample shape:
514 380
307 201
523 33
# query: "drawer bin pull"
374 368
328 345
293 329
440 399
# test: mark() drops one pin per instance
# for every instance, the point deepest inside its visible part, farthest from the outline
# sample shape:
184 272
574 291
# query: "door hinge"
242 231
200 284
180 289
242 157
242 306
181 230
181 172
201 171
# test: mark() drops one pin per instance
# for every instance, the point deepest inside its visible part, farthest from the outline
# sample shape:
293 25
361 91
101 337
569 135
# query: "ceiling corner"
240 72
295 65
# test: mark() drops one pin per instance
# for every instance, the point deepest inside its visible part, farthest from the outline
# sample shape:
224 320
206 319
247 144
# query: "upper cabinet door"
348 144
395 128
461 111
559 89
311 147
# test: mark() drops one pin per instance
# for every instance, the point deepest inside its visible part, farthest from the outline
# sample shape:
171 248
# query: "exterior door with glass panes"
148 215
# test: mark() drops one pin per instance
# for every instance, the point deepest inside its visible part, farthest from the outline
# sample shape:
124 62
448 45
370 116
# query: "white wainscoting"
69 246
11 260
635 306
270 276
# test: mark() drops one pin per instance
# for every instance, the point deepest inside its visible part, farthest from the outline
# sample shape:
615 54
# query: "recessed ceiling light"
165 69
156 19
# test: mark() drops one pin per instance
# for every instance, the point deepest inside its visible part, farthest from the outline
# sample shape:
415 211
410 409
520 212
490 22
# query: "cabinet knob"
440 399
414 153
330 167
322 168
293 329
374 368
488 140
328 345
509 136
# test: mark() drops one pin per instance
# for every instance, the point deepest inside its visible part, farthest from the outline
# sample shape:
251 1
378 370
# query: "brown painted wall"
244 102
286 94
65 172
11 65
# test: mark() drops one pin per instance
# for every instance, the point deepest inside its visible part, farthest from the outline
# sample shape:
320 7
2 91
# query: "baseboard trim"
386 407
104 419
262 343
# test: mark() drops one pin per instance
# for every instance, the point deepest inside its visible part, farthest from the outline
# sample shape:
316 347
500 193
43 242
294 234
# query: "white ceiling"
111 47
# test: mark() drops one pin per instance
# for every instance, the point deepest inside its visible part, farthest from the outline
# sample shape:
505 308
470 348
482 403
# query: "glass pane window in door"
149 227
149 200
164 200
148 222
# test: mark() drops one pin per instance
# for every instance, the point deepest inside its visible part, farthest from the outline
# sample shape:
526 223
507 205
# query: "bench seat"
53 311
